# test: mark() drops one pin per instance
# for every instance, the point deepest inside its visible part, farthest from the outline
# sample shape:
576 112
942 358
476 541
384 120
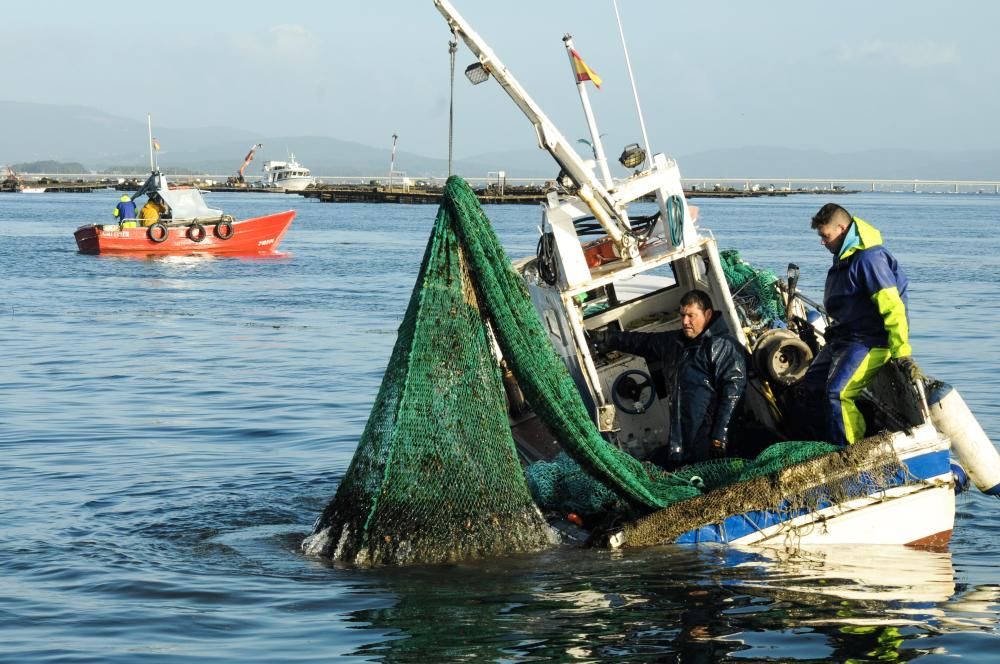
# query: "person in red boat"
125 210
153 210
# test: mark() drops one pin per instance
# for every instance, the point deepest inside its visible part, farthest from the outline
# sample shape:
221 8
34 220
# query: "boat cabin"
183 203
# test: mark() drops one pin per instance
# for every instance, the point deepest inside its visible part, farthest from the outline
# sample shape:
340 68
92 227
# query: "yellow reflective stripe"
854 421
893 311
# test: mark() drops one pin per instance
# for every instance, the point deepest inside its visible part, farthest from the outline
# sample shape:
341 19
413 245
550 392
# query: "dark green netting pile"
758 301
436 475
561 486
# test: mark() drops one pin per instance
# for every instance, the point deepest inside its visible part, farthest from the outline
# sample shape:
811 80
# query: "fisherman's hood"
860 235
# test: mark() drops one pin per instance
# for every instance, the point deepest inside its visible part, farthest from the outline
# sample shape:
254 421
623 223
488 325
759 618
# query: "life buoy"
224 230
196 232
158 232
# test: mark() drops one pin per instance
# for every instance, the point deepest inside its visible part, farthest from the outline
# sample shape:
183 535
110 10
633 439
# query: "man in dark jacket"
705 376
866 297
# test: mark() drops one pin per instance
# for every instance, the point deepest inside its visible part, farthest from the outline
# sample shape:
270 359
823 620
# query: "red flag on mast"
583 72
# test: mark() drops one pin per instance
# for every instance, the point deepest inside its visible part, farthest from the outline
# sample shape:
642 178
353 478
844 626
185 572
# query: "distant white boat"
32 190
288 175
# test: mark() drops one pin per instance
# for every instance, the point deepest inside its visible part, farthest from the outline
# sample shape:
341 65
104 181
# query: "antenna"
635 92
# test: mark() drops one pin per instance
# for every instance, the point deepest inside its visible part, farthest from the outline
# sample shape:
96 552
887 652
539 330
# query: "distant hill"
54 167
101 141
32 132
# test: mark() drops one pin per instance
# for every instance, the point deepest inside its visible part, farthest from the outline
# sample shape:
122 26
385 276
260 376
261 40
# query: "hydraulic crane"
239 180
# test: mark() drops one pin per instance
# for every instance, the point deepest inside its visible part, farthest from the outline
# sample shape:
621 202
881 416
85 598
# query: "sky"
840 77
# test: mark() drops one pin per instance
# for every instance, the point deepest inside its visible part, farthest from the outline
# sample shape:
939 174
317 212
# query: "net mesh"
436 475
757 300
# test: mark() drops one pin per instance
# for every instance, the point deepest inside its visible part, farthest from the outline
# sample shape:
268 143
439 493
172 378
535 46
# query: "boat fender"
196 232
158 232
961 478
224 230
952 417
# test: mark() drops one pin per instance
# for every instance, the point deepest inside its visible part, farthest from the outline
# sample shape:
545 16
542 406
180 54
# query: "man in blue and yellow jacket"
865 297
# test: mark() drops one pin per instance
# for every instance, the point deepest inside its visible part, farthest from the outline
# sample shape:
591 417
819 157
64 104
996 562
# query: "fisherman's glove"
597 340
908 367
717 449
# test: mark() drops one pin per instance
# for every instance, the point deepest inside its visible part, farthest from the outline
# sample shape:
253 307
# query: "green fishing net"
757 300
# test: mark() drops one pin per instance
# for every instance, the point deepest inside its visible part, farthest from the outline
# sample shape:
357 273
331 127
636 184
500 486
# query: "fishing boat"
189 226
500 428
287 175
631 277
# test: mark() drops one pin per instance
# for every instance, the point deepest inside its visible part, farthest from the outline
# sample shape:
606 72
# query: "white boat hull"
919 510
293 183
909 515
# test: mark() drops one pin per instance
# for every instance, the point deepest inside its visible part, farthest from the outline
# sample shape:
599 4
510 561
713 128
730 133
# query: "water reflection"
195 258
678 604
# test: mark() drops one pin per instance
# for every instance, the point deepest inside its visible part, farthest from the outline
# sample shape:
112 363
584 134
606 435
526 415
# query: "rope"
452 48
675 220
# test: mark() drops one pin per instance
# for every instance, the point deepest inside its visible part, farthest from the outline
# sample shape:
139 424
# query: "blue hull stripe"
920 468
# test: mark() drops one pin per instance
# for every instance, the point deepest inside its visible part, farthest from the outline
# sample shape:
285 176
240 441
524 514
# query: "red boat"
187 227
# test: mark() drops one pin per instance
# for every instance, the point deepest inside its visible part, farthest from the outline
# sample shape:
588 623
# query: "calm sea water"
171 428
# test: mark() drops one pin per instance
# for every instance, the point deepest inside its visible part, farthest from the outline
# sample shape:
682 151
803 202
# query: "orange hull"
255 235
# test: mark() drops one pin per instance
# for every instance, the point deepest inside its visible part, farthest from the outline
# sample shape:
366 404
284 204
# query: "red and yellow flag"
583 72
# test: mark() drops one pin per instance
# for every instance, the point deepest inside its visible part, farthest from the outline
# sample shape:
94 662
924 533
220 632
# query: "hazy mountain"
31 132
35 132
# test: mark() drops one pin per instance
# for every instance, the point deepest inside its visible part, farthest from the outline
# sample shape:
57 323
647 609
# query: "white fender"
974 449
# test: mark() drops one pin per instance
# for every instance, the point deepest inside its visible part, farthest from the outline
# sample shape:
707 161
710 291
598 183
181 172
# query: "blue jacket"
866 293
125 210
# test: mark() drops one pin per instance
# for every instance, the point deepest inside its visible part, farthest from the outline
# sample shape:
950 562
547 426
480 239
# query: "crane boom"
248 159
606 209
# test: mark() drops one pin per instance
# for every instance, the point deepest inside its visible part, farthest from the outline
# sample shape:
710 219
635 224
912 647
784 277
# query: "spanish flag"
156 144
583 72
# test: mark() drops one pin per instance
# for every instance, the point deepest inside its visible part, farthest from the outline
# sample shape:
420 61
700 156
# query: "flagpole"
392 160
635 91
149 128
602 161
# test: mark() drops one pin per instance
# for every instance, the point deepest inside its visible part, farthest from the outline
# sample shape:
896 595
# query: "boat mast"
595 137
392 160
149 129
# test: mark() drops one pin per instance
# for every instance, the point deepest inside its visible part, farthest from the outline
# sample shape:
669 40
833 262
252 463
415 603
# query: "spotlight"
632 156
477 73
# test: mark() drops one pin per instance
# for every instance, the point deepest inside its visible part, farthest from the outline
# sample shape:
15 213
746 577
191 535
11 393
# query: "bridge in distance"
499 177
